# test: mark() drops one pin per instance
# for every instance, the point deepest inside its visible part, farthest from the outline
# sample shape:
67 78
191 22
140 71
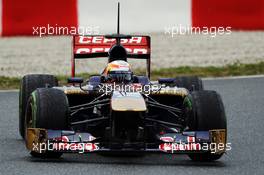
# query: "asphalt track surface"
244 102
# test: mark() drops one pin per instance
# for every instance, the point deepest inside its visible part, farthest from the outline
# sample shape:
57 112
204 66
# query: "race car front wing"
41 140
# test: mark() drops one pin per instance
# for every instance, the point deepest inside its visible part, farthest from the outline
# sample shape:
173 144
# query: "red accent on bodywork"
167 139
191 139
101 40
98 44
105 48
175 147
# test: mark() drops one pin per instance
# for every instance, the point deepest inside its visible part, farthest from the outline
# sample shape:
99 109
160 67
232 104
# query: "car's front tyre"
205 111
47 108
28 84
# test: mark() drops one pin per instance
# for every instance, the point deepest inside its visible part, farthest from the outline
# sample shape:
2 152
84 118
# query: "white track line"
9 90
212 78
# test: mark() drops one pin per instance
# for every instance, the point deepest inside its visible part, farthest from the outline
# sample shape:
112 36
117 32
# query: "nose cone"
130 101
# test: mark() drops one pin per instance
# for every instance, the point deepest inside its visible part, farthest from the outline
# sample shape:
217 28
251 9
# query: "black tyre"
205 111
192 83
28 84
47 108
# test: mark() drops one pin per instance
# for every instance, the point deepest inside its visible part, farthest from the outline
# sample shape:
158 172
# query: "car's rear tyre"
192 83
28 84
47 108
204 111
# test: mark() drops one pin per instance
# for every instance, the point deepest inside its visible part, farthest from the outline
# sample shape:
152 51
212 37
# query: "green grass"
9 82
236 69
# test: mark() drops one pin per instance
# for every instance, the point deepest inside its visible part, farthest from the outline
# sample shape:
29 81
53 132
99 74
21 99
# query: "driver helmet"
117 71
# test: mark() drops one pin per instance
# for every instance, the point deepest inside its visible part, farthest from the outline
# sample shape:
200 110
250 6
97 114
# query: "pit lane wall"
19 16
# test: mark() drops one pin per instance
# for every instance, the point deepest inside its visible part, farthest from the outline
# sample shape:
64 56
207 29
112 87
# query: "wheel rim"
29 116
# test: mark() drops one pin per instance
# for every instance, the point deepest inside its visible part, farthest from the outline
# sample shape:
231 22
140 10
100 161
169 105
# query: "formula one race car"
119 112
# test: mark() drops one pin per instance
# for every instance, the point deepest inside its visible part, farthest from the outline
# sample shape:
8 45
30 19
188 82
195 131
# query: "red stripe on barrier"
20 16
239 14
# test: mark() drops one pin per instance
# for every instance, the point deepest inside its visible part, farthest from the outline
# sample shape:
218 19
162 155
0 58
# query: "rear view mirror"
77 80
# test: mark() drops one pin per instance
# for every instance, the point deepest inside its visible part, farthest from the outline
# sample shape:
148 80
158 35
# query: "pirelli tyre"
192 83
47 108
204 111
28 84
